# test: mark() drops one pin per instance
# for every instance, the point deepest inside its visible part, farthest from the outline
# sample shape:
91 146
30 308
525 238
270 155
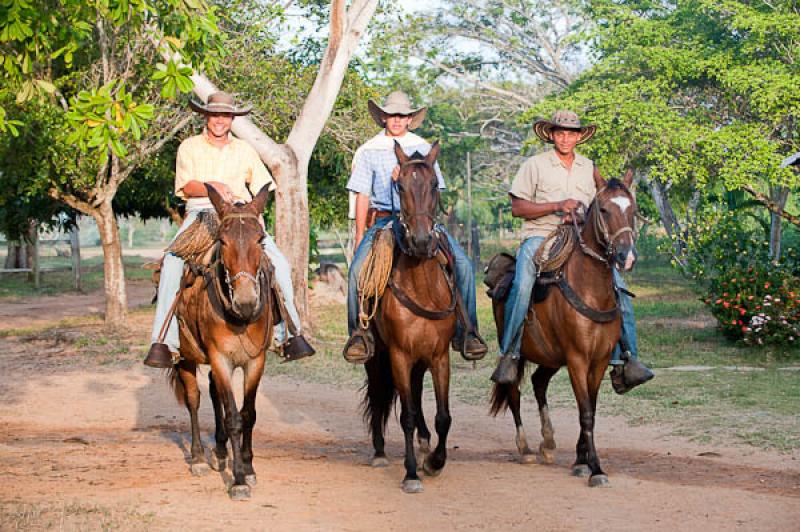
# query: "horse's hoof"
379 461
430 470
250 480
217 463
548 455
598 481
200 469
581 470
527 458
239 492
413 485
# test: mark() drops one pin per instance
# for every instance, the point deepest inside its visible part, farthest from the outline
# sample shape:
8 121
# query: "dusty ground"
89 443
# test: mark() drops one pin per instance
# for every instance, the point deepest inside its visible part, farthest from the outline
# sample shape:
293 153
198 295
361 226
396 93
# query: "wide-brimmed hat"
563 120
397 103
219 102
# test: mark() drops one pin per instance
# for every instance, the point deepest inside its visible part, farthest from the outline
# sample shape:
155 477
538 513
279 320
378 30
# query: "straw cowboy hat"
219 102
563 120
397 103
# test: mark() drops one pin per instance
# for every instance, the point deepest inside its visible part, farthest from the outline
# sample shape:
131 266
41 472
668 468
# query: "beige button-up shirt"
236 164
543 179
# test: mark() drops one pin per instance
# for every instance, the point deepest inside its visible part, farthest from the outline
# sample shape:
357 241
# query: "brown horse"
581 339
225 317
414 326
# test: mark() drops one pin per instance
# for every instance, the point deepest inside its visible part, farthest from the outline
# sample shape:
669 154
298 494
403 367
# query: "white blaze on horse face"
622 203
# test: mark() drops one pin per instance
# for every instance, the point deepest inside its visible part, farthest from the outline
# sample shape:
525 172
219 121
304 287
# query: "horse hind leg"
379 396
219 455
423 434
526 456
440 371
541 380
187 373
252 378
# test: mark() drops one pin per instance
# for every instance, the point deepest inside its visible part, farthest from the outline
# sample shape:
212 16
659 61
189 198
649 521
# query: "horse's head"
418 188
612 218
240 235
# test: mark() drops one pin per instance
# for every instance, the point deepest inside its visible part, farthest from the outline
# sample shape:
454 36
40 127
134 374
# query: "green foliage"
755 300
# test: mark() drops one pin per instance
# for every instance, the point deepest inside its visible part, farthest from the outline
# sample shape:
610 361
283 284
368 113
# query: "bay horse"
415 323
582 340
225 316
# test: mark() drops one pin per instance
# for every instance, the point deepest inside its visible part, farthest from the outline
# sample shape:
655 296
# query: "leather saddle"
500 276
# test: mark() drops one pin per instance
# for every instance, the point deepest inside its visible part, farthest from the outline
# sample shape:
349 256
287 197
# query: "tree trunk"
669 220
113 270
17 255
778 195
292 230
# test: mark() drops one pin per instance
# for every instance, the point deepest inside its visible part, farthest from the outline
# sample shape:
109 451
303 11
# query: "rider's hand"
395 172
568 205
223 190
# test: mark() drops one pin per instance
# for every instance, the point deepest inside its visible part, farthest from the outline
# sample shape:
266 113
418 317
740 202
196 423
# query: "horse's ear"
402 158
216 198
628 179
260 201
599 182
433 154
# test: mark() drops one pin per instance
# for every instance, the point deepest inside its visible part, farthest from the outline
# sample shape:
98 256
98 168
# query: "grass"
71 516
17 285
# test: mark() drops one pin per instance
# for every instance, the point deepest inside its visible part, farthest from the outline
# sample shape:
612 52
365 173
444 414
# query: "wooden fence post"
75 245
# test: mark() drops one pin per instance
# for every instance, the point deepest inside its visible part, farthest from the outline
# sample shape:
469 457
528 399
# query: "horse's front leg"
586 462
423 434
219 456
401 372
252 377
187 373
440 371
222 370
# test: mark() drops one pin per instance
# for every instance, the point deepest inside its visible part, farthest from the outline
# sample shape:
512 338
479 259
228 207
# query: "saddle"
500 276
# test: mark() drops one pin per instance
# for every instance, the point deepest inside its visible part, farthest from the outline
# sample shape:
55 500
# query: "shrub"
754 299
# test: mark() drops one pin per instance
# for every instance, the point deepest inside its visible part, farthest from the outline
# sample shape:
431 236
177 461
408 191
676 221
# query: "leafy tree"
97 65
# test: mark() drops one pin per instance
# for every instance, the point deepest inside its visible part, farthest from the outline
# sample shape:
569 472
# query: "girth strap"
599 316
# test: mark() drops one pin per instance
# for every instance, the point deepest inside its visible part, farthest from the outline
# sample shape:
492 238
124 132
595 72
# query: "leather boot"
296 348
359 347
159 356
506 371
475 347
626 377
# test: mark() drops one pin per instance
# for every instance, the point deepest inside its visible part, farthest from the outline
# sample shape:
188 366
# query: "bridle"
229 280
601 233
403 218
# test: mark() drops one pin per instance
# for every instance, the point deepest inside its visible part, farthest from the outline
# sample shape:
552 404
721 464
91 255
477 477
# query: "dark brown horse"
225 317
415 324
582 339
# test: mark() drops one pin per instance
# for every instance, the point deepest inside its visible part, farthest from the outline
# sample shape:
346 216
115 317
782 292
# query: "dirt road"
88 446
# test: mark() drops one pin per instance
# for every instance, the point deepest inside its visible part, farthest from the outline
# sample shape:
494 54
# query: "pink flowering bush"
755 300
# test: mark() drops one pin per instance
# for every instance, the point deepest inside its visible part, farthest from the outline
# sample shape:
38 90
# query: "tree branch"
771 205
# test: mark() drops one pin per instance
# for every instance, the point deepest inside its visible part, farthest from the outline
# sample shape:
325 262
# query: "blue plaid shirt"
372 175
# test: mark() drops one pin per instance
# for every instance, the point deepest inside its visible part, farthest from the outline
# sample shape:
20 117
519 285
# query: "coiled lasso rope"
374 275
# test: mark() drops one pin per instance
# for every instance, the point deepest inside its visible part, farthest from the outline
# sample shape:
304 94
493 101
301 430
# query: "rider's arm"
362 206
522 208
196 189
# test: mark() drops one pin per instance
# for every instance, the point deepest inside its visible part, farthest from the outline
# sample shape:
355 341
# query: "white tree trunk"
113 269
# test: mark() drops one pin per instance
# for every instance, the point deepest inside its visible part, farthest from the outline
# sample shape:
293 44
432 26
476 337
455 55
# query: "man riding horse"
231 166
550 189
375 167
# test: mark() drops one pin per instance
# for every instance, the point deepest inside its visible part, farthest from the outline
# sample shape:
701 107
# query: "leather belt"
374 214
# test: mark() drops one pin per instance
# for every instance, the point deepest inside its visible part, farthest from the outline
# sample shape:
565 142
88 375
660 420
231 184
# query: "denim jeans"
519 299
172 271
465 276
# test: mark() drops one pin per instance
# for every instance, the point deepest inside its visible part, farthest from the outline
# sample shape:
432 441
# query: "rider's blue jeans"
172 271
465 276
519 299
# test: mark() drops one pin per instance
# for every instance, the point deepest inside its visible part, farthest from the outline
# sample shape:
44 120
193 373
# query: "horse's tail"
379 391
501 393
176 383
